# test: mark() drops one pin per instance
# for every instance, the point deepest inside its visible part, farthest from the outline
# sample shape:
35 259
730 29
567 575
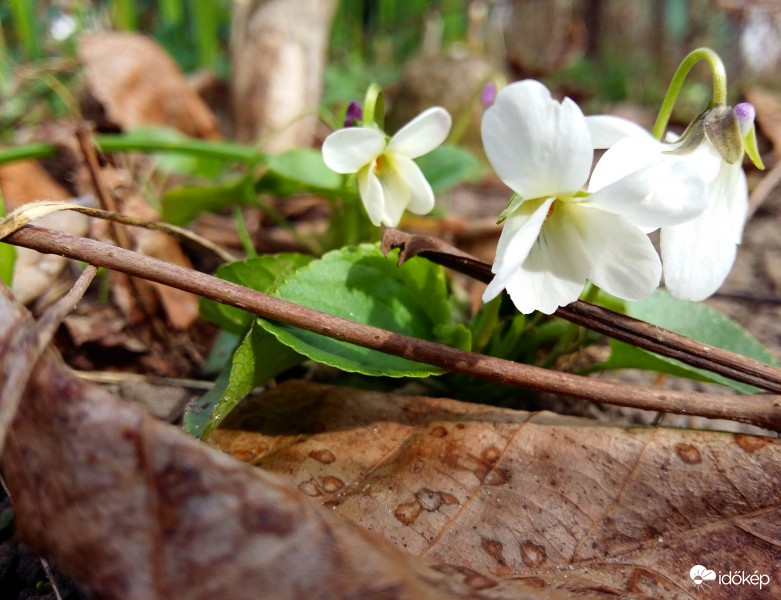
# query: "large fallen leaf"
138 84
135 509
559 501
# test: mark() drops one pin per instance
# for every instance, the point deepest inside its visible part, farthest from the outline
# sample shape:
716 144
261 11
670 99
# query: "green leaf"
695 320
363 285
513 204
182 163
221 352
258 358
258 273
297 170
182 205
7 254
447 166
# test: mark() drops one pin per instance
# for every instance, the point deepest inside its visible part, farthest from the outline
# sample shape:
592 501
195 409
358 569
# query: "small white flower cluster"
567 224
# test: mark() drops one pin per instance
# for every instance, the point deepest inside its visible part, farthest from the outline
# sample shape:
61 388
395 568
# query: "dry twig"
762 410
599 319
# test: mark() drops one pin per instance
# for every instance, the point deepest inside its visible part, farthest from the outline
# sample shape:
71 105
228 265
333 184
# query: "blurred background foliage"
600 52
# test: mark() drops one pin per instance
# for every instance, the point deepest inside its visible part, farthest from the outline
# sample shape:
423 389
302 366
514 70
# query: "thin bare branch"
762 410
602 320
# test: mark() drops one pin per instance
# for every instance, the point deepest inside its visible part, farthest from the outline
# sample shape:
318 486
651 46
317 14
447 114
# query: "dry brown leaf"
138 83
563 502
181 308
134 509
27 181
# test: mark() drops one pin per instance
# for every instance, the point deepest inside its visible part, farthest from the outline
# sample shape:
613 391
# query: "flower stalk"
719 86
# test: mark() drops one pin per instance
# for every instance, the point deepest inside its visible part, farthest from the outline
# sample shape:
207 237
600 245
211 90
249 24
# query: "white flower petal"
347 150
607 130
421 135
623 260
397 195
555 271
699 255
731 188
520 232
625 157
538 146
664 193
421 199
372 195
705 160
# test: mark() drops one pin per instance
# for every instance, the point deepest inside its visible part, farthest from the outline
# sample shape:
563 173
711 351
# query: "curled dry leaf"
558 501
135 509
138 83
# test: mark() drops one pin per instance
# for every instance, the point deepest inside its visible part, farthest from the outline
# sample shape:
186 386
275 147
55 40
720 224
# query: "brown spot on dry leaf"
533 555
408 512
750 443
324 456
688 453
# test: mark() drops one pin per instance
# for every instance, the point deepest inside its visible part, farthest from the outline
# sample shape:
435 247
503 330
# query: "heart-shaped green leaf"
363 285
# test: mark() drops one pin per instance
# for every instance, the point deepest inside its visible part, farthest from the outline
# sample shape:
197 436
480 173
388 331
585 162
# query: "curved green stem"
138 143
719 85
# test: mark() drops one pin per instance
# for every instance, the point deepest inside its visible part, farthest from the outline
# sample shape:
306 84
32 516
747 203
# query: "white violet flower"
557 236
698 254
389 181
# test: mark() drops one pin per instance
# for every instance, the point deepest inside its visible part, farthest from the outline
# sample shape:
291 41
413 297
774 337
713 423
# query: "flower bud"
353 115
488 94
722 129
745 114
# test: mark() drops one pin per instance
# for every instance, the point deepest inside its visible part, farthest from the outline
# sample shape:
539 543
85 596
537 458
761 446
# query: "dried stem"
602 320
762 410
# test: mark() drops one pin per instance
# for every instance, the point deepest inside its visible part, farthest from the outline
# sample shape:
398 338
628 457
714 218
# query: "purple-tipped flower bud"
353 115
488 94
745 113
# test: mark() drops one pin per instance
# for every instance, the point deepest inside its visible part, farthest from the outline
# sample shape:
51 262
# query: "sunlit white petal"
521 230
421 199
705 160
555 271
372 196
347 150
666 192
607 130
396 192
624 157
421 135
699 255
628 266
538 146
